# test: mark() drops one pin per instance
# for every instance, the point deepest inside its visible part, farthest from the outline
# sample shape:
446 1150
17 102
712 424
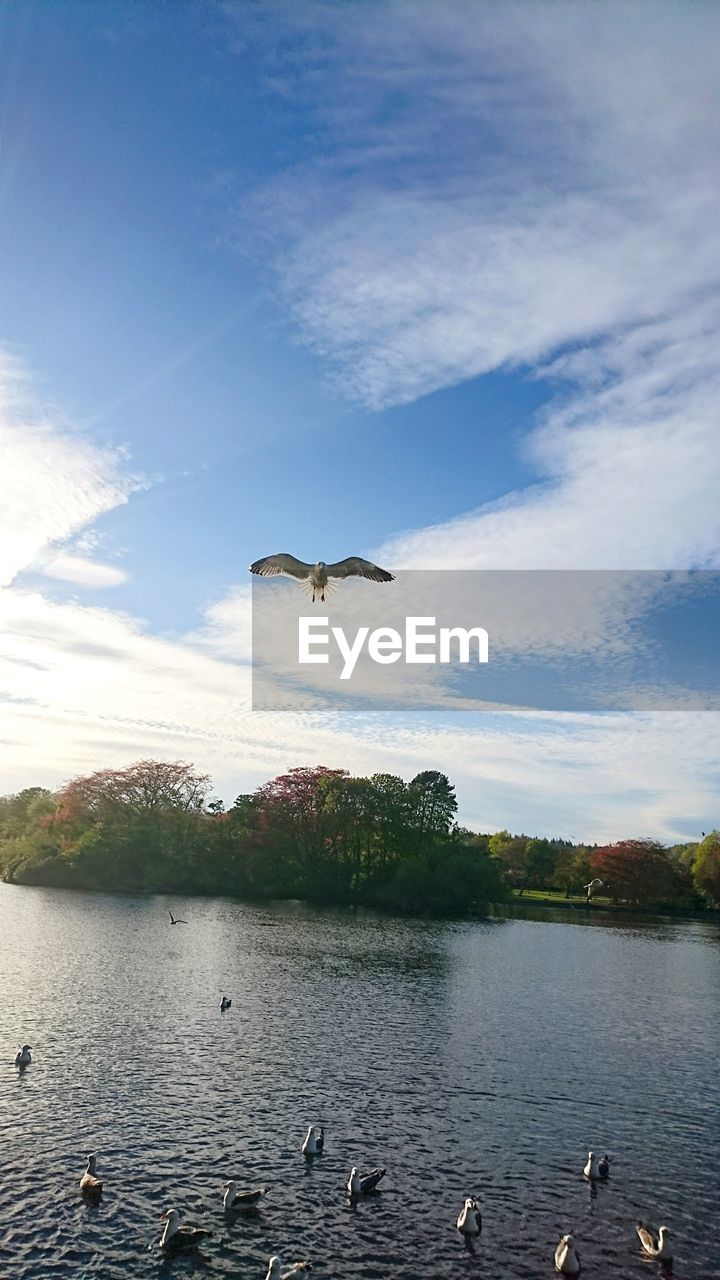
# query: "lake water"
482 1057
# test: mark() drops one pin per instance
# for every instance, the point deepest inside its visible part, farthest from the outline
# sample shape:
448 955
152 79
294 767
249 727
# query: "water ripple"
470 1059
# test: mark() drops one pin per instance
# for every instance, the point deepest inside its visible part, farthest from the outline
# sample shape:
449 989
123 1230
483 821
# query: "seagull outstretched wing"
270 566
356 567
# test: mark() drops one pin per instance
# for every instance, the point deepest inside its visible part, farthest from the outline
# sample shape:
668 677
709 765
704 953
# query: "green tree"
706 867
511 853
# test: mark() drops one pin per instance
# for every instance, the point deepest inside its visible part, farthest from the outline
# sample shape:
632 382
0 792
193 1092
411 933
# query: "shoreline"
514 906
611 908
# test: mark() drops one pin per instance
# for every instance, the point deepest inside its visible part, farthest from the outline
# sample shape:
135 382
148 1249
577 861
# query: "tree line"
322 835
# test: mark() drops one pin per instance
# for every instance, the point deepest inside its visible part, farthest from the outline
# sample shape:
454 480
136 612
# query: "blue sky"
436 284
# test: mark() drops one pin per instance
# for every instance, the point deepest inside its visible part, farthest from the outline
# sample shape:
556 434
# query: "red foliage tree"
637 871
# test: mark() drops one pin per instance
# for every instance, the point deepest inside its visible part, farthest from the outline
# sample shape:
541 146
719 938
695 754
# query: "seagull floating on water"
470 1219
567 1258
90 1184
315 577
660 1248
314 1143
596 1169
277 1272
176 1236
174 921
23 1056
359 1184
234 1199
225 1004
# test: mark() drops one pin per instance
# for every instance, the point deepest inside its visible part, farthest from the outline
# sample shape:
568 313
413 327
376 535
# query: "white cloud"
53 482
526 187
80 570
95 690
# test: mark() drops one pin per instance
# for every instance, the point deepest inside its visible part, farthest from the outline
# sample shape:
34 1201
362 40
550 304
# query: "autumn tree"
133 827
299 818
640 872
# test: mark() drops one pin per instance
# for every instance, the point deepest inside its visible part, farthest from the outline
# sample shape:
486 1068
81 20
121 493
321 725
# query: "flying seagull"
314 577
173 920
592 888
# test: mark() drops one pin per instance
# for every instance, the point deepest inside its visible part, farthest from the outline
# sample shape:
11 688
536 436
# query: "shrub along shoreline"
323 836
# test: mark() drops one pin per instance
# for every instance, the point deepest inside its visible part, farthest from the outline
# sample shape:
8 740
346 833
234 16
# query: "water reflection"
467 1058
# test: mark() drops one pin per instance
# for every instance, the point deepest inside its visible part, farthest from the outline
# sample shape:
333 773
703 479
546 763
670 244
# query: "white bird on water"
359 1184
315 577
90 1184
470 1219
176 1236
596 1169
660 1248
276 1271
234 1199
23 1056
567 1258
314 1141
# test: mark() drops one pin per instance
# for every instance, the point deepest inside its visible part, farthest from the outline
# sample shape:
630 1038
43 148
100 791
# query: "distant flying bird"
660 1248
360 1184
567 1258
23 1056
470 1219
90 1184
174 921
593 886
314 577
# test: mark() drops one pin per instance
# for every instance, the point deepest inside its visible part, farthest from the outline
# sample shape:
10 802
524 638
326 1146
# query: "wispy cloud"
526 187
53 483
96 689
